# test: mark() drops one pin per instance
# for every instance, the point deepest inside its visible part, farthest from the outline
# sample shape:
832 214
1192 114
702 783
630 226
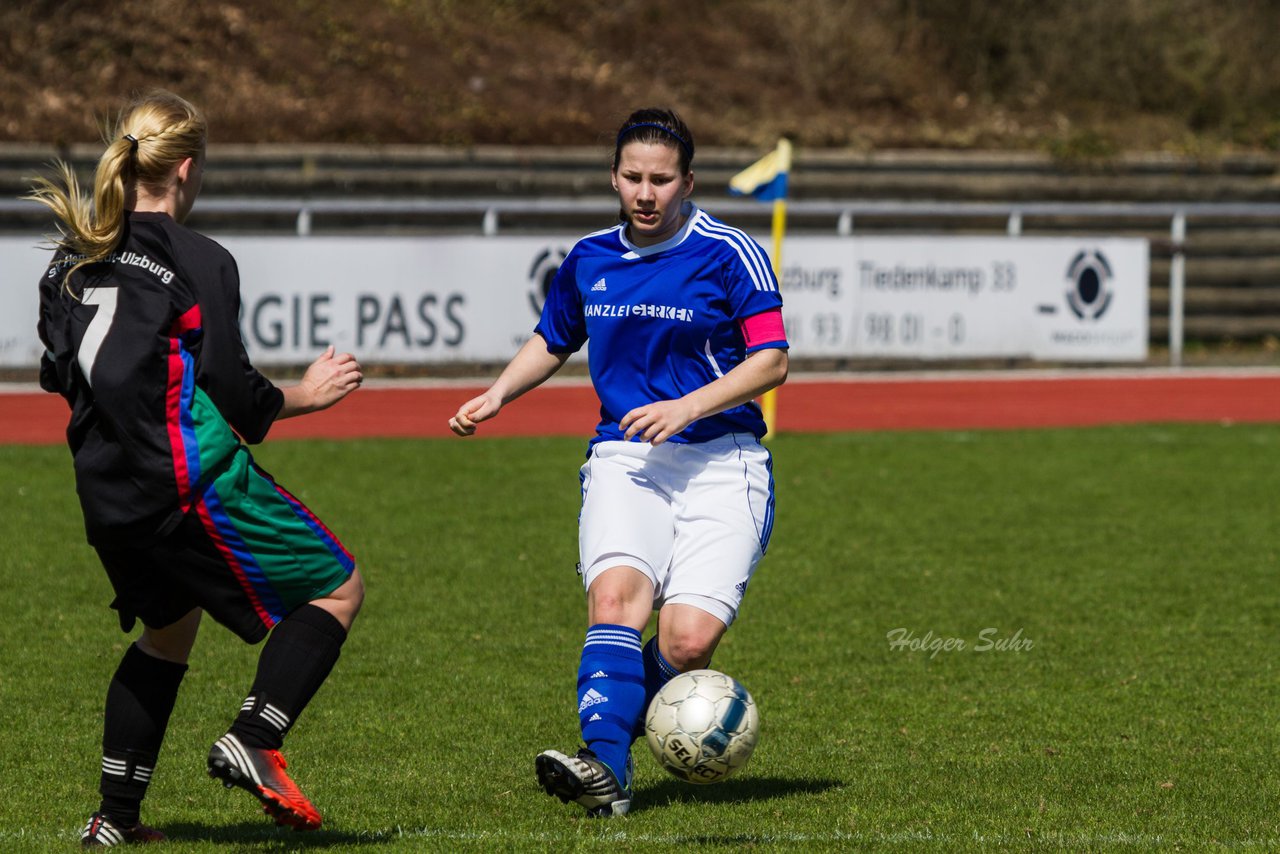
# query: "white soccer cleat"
585 780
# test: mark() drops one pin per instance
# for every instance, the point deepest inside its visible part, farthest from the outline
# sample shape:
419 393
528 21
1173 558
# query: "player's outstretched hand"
330 378
474 411
655 423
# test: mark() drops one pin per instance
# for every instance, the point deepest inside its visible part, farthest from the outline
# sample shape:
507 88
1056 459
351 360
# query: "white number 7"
105 300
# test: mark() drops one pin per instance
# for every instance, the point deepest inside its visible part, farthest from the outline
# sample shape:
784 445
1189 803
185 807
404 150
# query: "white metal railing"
489 213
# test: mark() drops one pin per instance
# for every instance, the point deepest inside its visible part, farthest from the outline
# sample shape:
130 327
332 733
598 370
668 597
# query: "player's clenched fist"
472 412
656 422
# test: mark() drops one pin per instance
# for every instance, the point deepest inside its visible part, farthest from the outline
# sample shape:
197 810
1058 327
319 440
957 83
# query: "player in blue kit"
685 323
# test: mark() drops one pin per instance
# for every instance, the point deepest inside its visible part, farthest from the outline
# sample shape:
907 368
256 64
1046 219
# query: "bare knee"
356 594
621 596
610 606
689 650
174 641
687 636
344 603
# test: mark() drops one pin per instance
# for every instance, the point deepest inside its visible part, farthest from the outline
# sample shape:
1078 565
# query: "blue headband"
668 131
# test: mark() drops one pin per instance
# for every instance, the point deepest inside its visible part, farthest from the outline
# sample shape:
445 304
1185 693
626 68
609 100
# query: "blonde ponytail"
154 133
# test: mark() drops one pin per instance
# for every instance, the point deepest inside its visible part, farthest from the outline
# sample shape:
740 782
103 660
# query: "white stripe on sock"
634 646
612 638
275 717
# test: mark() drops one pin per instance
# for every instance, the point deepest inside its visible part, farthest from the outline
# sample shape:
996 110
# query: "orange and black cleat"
261 773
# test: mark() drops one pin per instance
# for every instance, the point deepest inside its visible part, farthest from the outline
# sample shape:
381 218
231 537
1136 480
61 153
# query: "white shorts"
694 518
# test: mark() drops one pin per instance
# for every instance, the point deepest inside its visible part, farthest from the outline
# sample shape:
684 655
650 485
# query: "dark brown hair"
656 126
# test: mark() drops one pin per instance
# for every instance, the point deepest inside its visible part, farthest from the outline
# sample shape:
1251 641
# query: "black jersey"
146 349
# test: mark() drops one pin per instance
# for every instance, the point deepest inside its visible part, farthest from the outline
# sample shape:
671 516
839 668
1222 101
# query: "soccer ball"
702 726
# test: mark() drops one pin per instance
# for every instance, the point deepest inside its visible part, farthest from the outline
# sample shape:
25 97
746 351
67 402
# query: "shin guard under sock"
297 658
611 693
657 672
140 699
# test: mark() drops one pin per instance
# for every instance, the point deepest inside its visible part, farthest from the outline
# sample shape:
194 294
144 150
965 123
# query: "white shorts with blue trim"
694 518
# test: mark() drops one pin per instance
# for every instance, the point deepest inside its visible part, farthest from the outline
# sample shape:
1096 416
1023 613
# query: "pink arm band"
764 328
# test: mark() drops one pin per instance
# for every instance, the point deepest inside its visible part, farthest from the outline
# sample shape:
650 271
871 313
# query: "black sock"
297 658
139 702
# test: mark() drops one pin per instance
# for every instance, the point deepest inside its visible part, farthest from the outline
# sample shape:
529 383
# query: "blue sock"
611 693
657 672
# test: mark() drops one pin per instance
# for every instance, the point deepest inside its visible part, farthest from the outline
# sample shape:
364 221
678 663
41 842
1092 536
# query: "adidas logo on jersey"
599 286
591 698
741 587
595 717
599 674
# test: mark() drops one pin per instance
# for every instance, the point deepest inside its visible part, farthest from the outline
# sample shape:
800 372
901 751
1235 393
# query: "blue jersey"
663 320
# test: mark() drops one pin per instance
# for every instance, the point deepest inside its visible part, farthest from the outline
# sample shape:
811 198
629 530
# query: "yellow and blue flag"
766 179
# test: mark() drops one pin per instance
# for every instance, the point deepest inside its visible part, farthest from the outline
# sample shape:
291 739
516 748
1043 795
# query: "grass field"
1130 575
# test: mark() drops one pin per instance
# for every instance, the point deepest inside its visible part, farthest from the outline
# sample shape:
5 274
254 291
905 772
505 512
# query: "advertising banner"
431 300
1062 299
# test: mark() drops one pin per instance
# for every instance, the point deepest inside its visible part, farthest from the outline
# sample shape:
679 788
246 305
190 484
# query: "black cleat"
585 780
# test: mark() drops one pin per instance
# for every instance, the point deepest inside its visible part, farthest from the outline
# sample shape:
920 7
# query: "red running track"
805 404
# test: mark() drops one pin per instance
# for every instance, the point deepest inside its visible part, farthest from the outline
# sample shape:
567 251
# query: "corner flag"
766 180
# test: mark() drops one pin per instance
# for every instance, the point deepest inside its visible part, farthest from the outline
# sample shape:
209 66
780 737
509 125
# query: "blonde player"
139 317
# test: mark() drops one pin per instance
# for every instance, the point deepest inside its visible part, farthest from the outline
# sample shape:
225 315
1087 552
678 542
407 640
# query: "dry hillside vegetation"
1086 77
